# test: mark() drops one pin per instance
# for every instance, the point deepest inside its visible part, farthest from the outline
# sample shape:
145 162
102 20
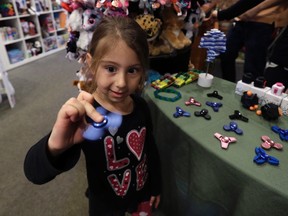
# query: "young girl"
123 168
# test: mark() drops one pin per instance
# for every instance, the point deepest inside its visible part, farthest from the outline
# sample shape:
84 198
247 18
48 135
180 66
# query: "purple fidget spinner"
233 127
97 129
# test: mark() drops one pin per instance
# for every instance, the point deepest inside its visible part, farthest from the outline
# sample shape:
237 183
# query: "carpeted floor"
41 88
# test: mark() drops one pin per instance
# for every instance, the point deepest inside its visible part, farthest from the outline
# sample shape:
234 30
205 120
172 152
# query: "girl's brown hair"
112 29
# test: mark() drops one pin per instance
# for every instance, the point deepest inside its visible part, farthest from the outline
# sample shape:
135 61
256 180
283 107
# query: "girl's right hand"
70 123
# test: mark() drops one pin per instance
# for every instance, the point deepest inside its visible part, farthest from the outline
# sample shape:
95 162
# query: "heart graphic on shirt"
135 142
119 139
113 130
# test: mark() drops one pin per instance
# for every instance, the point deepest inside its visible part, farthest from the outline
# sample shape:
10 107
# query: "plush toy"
84 81
172 29
159 46
90 20
150 25
192 21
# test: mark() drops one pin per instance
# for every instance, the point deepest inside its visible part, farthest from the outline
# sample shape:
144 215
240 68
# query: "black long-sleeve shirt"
122 167
237 9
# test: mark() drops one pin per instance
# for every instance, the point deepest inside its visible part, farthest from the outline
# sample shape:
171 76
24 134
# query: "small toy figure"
249 100
32 28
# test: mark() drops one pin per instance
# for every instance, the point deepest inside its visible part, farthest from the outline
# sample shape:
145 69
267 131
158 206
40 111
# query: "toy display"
268 143
233 126
111 123
224 140
262 157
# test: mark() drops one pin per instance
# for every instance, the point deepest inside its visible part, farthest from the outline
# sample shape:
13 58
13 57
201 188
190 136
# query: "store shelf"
30 30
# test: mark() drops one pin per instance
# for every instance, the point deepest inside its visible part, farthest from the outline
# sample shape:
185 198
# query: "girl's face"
118 75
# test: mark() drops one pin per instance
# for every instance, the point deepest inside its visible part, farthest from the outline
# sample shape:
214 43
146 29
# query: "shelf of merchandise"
31 32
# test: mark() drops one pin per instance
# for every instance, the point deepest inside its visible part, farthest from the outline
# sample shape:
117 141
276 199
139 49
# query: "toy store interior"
219 110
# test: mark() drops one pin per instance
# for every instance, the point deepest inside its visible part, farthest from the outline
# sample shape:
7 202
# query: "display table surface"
201 178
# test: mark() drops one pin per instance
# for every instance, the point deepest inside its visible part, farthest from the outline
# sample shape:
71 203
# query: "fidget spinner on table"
261 157
224 140
233 126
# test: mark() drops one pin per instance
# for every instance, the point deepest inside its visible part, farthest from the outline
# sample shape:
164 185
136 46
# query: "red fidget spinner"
192 101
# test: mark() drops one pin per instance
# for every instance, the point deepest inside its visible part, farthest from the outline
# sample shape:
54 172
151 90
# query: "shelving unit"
30 30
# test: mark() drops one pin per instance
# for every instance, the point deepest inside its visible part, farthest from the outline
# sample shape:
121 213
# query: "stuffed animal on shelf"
90 20
192 21
172 29
150 24
159 46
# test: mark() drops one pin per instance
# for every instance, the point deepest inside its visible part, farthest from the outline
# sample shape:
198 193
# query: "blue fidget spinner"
180 112
233 127
214 105
261 157
283 134
95 130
